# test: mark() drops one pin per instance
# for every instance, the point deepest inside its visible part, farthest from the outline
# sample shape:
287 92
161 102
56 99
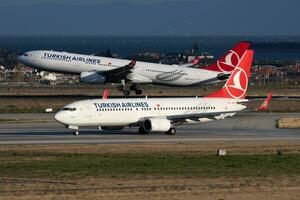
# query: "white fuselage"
129 112
143 72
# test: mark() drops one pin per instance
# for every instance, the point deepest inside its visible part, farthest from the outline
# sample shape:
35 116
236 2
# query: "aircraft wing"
177 119
116 74
119 72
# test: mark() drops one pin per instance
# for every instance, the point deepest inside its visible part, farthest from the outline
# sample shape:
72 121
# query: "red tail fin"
265 104
105 94
237 84
229 61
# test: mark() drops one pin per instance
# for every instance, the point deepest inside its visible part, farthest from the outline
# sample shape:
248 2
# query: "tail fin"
237 84
105 94
229 61
265 104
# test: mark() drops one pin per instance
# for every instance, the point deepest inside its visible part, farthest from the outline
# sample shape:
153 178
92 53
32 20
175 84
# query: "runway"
243 127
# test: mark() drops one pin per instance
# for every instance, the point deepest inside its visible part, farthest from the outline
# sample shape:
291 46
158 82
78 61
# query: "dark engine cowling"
92 77
156 125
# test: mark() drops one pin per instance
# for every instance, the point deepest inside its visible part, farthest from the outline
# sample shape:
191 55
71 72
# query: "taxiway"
243 127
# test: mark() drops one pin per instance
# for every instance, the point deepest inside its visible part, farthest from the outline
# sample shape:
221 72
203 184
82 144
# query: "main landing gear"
74 128
142 131
133 87
171 131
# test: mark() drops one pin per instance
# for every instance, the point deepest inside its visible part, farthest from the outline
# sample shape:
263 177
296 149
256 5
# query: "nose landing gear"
122 88
75 132
135 87
75 129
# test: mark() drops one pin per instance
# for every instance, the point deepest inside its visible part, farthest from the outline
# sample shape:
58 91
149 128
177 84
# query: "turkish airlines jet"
161 114
100 70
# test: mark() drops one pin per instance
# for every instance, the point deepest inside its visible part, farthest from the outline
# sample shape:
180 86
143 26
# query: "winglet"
265 104
105 94
196 60
132 64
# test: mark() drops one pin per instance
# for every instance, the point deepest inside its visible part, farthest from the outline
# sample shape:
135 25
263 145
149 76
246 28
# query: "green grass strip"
51 165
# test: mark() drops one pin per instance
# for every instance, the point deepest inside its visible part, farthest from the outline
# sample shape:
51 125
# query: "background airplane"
162 114
100 70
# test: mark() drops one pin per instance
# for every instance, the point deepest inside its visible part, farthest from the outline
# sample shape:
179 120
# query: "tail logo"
237 85
230 62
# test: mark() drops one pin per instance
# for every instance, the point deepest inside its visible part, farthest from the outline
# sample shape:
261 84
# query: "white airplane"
161 114
100 70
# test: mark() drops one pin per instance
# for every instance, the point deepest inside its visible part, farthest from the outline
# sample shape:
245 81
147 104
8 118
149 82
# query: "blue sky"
156 17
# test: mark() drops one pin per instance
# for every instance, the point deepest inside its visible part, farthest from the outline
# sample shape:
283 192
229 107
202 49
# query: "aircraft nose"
59 117
19 58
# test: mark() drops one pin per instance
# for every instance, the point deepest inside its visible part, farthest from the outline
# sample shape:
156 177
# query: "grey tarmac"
242 127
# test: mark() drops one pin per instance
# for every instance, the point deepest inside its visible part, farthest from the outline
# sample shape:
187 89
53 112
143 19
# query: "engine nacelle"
92 77
156 125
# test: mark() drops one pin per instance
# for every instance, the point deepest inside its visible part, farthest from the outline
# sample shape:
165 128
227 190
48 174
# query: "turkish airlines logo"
237 84
230 62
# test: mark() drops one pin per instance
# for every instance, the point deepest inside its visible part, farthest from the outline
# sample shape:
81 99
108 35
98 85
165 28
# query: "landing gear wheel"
126 92
171 131
75 132
138 92
133 87
120 88
142 131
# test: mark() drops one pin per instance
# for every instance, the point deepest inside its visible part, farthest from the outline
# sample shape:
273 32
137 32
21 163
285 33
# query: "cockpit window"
69 109
25 54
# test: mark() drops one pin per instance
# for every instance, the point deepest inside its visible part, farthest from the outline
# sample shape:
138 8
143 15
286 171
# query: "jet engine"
157 125
92 77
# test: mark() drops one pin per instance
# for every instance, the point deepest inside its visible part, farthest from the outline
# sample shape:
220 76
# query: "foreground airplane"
100 70
161 114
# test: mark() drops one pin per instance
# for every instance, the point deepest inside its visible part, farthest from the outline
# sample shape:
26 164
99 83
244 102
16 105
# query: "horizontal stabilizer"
265 104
